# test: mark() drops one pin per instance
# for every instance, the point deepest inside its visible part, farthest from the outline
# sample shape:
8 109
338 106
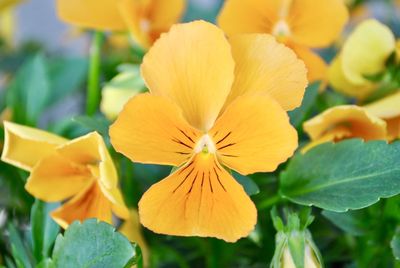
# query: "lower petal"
199 199
90 203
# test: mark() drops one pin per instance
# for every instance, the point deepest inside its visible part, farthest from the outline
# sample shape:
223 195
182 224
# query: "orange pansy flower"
80 170
300 24
344 122
213 104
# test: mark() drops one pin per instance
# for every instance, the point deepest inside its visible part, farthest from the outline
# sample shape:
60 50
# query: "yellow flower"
80 170
145 19
344 122
364 53
213 104
301 24
132 230
116 93
388 109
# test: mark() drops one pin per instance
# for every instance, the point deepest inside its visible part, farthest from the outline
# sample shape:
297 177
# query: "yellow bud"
310 260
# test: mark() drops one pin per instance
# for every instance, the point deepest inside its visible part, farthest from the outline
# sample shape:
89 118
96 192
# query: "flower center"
281 30
205 145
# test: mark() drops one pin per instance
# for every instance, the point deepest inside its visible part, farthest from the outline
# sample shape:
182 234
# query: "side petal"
357 59
25 146
264 65
199 199
361 123
101 15
55 178
251 16
254 135
165 13
316 66
89 203
316 23
151 129
193 66
393 128
386 108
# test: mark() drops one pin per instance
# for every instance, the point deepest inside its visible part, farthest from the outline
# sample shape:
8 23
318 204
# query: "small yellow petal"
199 199
192 65
366 51
386 108
25 146
254 135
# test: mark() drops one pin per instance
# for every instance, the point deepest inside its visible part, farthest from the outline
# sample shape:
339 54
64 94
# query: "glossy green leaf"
99 124
250 187
298 115
351 222
44 229
347 175
92 244
19 250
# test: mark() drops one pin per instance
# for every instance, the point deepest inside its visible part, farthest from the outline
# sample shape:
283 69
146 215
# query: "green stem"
93 86
270 202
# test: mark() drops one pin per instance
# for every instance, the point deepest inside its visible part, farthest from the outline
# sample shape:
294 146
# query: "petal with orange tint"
336 134
393 128
151 129
254 135
90 203
199 199
316 23
251 16
165 13
55 178
264 65
25 146
193 66
340 83
361 123
316 66
100 15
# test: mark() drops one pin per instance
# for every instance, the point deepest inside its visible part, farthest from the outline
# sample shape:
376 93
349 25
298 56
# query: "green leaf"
29 92
250 187
352 222
44 229
19 250
298 115
66 75
99 124
395 245
347 175
92 244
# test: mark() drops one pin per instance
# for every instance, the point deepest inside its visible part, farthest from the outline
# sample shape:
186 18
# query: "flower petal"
151 129
101 15
357 59
251 16
386 108
316 23
55 178
25 146
316 66
393 128
254 135
164 14
199 199
340 83
90 203
264 65
193 66
361 123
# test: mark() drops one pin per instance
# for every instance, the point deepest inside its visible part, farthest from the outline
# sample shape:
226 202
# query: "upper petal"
193 66
25 146
316 23
199 199
250 16
254 135
101 15
151 129
358 120
264 65
357 57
